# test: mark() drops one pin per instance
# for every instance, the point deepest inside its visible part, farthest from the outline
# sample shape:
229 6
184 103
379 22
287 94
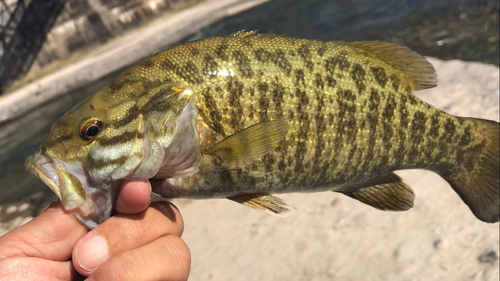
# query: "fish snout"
41 166
66 180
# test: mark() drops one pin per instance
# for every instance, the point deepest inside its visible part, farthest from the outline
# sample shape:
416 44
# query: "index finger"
52 235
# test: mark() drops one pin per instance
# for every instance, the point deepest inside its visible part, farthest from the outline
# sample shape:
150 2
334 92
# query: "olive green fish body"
350 116
248 115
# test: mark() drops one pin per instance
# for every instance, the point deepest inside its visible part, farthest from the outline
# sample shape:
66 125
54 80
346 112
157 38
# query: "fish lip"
42 166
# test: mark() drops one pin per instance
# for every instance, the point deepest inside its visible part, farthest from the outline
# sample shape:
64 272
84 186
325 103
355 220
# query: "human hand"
138 243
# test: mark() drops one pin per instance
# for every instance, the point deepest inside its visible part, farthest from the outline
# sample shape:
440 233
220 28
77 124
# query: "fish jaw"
69 181
66 180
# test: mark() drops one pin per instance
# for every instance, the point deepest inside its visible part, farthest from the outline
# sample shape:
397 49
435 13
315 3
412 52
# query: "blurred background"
53 53
35 34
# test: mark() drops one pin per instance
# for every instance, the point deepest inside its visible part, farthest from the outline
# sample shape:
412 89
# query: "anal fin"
388 193
265 203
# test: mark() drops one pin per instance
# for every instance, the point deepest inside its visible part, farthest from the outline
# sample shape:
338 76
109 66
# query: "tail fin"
479 186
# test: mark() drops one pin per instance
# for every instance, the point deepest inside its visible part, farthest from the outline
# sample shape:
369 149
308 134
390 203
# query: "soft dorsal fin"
415 67
265 203
387 193
248 145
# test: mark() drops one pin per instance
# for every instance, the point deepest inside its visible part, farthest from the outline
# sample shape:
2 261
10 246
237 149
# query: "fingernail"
92 252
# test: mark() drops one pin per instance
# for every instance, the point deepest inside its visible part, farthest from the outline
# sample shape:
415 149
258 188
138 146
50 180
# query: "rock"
11 209
14 223
488 257
22 207
18 213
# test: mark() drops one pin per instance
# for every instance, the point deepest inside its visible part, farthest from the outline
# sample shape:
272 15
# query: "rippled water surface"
447 29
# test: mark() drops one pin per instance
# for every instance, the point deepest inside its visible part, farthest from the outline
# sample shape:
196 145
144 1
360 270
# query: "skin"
143 243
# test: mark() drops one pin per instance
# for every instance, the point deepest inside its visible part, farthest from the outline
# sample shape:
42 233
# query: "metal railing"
24 25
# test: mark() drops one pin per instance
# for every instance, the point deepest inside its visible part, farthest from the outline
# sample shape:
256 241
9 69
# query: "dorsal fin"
415 67
243 33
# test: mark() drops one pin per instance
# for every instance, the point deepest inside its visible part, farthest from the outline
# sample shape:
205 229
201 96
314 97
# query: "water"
447 29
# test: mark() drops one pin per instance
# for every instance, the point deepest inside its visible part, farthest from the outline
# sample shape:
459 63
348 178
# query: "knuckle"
179 256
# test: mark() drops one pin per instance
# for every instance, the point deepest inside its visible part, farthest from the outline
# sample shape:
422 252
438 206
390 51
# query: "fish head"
62 161
97 144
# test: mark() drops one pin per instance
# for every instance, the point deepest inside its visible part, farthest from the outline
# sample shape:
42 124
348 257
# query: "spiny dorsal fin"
243 33
388 193
414 66
265 203
248 145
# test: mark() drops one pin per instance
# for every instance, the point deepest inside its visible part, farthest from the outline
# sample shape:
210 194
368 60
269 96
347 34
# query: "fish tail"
477 181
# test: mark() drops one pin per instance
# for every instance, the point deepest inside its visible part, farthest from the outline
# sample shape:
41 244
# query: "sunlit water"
447 29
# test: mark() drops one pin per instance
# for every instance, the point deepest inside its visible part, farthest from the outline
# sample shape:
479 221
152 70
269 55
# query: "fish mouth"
67 180
41 166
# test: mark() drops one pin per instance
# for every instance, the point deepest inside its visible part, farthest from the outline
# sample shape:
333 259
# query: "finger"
51 235
167 258
134 197
27 269
125 232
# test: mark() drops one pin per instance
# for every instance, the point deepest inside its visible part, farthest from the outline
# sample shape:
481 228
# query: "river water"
447 29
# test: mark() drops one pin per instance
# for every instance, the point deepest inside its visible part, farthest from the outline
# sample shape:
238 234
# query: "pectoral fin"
265 203
248 145
388 193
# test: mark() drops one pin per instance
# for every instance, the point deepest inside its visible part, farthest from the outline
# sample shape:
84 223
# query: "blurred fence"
34 33
24 26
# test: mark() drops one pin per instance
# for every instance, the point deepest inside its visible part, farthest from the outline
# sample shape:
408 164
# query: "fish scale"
248 115
297 67
291 71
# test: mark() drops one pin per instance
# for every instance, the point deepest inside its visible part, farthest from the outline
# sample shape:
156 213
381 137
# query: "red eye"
90 128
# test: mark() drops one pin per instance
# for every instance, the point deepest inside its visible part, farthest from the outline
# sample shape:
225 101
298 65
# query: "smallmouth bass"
249 115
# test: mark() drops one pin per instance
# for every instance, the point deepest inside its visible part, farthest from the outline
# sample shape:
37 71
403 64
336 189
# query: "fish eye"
90 128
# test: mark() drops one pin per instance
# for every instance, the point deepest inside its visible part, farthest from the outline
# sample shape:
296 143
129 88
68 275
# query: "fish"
248 116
